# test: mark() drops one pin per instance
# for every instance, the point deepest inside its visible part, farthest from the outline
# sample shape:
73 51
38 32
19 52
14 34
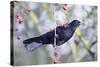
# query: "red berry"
20 21
29 10
56 62
17 15
56 54
65 4
65 7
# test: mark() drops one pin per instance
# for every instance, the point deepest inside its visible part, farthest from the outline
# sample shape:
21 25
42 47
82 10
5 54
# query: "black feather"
64 34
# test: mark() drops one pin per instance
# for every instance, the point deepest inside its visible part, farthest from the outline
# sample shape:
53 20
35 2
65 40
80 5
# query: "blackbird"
64 33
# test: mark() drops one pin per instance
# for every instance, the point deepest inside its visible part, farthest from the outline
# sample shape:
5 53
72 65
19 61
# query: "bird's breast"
64 34
61 34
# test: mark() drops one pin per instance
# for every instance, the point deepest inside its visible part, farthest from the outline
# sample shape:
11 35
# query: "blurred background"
32 19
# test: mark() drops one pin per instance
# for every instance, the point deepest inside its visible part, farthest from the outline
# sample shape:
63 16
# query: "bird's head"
74 24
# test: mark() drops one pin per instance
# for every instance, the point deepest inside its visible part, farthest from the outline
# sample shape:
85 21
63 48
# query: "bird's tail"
31 45
28 41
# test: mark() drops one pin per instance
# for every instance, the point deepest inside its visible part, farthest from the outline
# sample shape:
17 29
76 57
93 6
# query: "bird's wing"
33 43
